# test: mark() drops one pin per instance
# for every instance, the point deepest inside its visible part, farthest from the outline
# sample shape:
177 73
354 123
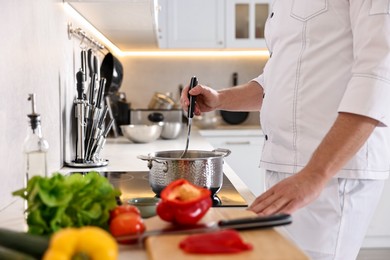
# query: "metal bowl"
171 130
142 133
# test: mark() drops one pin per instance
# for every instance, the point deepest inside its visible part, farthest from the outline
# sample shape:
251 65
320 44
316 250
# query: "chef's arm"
344 139
246 97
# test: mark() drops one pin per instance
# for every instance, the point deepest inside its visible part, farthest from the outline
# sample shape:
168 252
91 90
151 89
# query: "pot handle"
150 160
225 152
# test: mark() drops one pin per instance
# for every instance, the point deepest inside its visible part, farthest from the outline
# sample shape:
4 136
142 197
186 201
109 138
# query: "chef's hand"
207 99
289 194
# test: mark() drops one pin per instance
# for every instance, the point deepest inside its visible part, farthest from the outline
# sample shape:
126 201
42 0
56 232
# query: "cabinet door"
195 23
244 158
245 21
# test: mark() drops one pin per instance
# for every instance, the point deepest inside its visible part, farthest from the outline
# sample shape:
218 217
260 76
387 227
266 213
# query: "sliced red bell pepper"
220 242
183 203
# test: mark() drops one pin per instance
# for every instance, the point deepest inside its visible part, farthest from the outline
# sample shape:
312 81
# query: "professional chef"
324 101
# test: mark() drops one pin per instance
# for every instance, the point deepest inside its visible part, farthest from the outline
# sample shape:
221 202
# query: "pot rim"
214 154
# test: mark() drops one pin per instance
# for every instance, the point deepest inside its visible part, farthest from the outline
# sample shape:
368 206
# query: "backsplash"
145 75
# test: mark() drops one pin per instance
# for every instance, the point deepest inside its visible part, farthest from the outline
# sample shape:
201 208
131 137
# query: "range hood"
128 24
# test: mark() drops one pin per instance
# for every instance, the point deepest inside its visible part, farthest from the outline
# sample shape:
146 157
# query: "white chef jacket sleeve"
368 91
260 80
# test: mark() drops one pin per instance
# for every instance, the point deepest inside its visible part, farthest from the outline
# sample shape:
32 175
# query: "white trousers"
334 225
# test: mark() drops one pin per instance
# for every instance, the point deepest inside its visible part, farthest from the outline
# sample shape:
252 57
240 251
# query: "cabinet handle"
240 142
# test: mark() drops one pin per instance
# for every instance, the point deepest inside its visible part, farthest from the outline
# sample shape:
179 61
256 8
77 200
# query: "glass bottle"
35 146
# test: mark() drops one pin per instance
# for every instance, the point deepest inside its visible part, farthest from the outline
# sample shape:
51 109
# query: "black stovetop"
136 184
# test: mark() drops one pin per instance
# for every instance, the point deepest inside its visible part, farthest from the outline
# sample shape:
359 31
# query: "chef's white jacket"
326 56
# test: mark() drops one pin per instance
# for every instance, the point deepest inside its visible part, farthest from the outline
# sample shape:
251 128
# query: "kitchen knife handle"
101 92
256 222
92 90
84 64
80 85
192 99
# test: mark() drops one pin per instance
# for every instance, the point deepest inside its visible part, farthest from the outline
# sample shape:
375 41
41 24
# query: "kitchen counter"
122 156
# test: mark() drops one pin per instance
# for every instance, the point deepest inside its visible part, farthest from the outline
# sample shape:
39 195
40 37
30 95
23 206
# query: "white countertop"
122 155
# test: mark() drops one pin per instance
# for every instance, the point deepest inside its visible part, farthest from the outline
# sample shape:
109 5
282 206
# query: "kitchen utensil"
171 130
142 133
100 143
90 63
202 168
111 69
255 222
80 115
161 101
207 120
234 117
267 243
155 117
93 130
146 205
191 108
89 113
111 114
84 64
96 66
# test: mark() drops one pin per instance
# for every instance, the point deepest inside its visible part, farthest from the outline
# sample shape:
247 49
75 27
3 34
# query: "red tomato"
126 208
128 223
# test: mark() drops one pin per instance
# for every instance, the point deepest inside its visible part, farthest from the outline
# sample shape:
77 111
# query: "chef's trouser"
334 225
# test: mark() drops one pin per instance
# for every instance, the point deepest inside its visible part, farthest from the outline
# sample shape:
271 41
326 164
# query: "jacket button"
272 15
266 137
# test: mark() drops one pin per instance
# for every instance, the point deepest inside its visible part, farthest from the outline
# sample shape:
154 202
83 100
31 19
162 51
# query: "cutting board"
268 244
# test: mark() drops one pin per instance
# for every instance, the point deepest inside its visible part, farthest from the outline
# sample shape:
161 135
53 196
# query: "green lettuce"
74 200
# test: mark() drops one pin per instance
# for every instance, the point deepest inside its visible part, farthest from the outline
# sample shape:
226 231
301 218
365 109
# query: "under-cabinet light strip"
163 53
89 27
196 53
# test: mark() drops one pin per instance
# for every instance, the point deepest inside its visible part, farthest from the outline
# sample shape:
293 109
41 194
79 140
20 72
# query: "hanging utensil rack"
72 31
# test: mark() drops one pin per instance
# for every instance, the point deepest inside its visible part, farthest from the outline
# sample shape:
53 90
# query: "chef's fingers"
263 202
261 198
277 206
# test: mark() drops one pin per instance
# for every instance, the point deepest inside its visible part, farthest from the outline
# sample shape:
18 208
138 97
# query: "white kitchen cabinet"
245 22
246 147
216 24
191 24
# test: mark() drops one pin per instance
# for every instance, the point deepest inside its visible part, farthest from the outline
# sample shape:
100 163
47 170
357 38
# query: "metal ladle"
191 108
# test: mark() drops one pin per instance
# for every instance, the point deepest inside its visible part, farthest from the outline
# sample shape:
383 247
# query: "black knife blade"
257 222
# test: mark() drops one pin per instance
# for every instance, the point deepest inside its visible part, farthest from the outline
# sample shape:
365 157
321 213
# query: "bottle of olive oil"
35 146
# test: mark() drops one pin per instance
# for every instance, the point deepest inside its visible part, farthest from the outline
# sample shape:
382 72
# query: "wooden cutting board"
267 243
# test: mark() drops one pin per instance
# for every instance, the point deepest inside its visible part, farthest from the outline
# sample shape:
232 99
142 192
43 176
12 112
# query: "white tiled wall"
36 57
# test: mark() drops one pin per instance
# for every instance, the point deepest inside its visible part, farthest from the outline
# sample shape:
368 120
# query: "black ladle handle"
192 99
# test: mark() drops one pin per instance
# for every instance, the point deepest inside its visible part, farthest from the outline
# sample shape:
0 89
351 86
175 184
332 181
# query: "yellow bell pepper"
87 243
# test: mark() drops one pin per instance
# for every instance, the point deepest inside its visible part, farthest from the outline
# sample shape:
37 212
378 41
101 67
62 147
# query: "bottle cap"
35 119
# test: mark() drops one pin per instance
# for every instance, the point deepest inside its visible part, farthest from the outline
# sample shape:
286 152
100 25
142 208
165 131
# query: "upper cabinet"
245 21
215 24
191 24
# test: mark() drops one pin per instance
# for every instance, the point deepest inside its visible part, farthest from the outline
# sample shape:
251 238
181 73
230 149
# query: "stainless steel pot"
202 168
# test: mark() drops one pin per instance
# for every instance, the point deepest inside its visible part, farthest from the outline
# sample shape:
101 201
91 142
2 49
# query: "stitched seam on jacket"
343 169
295 100
361 75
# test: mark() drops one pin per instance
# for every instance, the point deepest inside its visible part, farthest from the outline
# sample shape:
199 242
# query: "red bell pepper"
220 242
183 203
